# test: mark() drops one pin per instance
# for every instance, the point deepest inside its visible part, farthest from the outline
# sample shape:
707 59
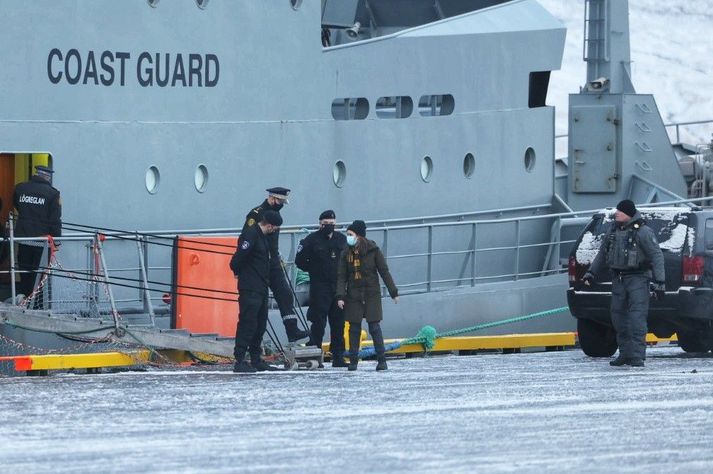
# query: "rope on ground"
427 335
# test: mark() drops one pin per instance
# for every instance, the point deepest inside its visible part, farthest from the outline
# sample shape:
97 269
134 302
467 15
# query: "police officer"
39 213
318 254
277 197
633 255
251 265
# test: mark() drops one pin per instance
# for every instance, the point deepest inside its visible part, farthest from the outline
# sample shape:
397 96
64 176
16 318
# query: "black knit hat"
358 227
328 214
627 206
272 217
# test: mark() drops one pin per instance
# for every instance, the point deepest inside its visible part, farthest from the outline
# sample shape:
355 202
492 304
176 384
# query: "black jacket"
251 261
318 255
252 220
39 208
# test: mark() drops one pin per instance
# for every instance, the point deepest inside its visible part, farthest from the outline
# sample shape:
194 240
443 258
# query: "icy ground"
553 412
671 50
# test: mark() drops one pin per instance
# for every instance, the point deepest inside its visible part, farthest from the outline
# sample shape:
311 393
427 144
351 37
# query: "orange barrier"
199 263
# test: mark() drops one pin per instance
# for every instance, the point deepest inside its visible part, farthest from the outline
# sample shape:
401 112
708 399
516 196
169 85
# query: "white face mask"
351 240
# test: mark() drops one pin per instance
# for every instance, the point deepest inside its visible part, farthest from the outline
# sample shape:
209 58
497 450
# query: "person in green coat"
359 291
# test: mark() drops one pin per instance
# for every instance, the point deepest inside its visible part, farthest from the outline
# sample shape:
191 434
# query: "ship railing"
119 270
674 130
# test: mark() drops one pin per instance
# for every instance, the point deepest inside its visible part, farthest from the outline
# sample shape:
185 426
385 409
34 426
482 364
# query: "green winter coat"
362 297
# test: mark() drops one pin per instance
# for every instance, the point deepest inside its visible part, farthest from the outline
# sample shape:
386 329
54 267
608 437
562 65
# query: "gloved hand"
588 279
659 290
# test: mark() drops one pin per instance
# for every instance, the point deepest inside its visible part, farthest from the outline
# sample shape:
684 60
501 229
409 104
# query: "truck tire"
596 340
694 341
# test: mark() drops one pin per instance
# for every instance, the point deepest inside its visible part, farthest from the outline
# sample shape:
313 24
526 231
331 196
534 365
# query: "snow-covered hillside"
672 54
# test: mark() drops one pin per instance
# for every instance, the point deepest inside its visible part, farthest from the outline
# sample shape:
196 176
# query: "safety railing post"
472 257
145 294
11 221
100 251
517 250
429 271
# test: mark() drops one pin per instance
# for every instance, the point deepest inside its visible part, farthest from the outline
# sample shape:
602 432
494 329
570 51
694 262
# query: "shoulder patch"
245 245
251 222
299 248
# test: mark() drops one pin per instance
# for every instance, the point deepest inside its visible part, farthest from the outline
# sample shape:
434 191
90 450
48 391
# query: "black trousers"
322 308
281 291
251 325
28 260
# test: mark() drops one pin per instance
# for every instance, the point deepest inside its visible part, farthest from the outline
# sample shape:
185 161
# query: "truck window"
709 234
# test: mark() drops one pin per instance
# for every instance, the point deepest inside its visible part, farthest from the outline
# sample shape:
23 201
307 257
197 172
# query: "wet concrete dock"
546 411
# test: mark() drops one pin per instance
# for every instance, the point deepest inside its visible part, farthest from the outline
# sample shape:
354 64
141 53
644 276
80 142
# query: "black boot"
261 366
619 361
354 341
636 362
338 360
243 367
378 338
293 332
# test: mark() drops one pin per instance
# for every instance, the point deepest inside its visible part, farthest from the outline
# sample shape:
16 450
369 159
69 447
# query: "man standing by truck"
633 255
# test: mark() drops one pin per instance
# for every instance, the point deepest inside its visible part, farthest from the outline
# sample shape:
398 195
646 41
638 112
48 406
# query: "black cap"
279 192
44 169
358 227
627 206
272 217
328 214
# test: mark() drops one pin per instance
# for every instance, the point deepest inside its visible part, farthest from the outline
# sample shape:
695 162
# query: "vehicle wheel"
596 340
694 341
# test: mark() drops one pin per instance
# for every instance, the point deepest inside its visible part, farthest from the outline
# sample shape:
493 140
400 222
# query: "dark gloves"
588 279
658 288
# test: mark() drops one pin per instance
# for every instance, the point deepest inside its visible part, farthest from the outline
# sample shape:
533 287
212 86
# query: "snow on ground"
672 54
548 411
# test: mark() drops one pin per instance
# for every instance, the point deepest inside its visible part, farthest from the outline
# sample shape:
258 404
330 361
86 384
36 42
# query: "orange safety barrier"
199 263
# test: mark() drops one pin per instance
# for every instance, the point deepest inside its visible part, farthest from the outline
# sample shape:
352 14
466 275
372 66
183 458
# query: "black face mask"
277 207
327 229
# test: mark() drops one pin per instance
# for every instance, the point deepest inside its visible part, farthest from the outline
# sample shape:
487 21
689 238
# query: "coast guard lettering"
148 69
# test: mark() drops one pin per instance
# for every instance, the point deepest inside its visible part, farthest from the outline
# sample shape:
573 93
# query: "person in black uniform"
251 265
4 244
276 199
318 254
39 213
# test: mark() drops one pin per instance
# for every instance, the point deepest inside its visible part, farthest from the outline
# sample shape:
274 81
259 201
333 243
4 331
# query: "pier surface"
529 412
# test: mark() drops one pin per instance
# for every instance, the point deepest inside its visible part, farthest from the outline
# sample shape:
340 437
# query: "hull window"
152 3
202 3
153 178
394 107
529 159
296 4
436 105
200 178
350 108
468 165
426 169
339 173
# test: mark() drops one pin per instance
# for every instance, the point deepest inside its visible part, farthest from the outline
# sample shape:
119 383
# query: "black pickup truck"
685 236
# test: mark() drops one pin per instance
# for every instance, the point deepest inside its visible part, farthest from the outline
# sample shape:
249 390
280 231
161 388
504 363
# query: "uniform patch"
245 245
299 248
251 221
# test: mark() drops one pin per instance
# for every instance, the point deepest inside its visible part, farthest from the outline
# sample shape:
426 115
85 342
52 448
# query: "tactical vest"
623 251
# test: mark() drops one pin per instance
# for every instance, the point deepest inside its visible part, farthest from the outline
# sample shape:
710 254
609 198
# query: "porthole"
200 178
201 3
468 165
529 159
152 3
296 4
339 173
153 178
426 169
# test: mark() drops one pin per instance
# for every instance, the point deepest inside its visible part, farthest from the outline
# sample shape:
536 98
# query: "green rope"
427 335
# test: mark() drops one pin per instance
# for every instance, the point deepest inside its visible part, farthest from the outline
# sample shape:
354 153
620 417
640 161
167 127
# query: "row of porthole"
339 172
357 108
203 3
153 179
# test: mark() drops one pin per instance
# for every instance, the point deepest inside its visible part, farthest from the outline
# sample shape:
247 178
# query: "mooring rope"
427 335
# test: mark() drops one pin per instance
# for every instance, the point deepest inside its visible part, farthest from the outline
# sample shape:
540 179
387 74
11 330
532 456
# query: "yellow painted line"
82 361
